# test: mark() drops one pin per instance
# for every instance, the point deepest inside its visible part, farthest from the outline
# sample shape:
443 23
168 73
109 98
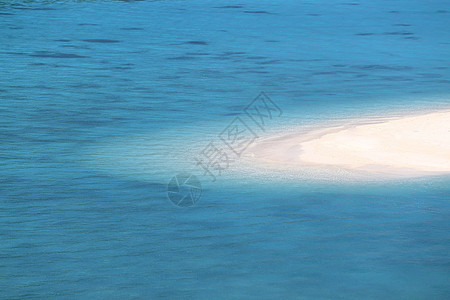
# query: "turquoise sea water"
102 102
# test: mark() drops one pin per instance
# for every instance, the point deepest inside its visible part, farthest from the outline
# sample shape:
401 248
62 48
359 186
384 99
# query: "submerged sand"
410 145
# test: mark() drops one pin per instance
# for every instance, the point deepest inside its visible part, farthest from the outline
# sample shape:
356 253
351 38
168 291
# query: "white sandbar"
410 145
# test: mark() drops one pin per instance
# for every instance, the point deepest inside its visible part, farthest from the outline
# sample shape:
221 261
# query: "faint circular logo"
184 190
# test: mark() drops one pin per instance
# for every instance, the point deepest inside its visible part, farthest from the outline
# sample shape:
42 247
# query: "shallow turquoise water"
102 102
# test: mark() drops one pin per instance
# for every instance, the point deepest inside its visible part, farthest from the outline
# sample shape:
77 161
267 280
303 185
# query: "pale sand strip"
411 145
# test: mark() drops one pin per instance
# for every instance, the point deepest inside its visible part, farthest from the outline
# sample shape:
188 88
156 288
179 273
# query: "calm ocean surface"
102 102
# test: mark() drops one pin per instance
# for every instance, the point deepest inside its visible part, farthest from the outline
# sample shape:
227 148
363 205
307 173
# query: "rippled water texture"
103 102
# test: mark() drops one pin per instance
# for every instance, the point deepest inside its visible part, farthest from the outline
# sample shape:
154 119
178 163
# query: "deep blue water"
102 102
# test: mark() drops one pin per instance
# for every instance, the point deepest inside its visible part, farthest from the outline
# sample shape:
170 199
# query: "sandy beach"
405 146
